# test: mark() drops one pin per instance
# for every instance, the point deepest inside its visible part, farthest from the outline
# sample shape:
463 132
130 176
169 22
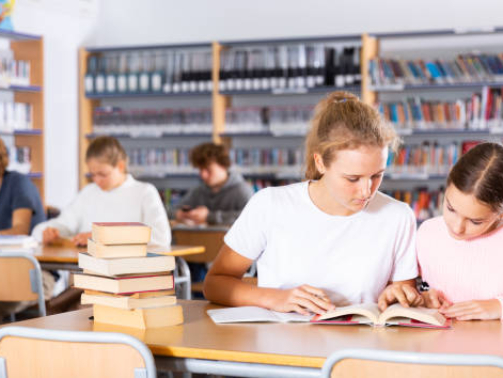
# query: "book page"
422 314
242 315
368 310
252 314
287 317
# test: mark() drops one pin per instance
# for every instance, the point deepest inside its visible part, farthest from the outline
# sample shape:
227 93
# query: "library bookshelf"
223 100
30 48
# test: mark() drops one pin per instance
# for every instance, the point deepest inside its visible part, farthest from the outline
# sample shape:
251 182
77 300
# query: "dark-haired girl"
460 253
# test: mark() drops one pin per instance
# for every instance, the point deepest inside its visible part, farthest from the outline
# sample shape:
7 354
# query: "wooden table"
66 257
279 350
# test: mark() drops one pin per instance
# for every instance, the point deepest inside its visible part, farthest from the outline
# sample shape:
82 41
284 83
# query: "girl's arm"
224 285
68 223
475 310
21 220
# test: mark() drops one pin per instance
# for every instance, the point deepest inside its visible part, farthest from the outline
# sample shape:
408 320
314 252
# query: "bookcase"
101 110
267 90
22 103
157 113
442 91
262 94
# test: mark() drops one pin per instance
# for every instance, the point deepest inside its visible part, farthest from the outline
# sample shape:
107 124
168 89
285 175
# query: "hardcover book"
151 263
365 313
120 233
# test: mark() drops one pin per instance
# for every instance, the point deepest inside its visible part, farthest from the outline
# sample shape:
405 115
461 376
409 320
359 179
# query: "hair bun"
341 97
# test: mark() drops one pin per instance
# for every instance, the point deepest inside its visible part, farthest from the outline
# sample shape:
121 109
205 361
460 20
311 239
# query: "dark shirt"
225 205
18 192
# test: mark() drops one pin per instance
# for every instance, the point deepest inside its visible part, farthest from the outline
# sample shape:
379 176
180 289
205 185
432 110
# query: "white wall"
65 25
127 22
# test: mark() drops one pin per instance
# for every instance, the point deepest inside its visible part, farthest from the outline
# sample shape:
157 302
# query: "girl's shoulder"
281 193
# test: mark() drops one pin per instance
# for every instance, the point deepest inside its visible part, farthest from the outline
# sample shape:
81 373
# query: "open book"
365 313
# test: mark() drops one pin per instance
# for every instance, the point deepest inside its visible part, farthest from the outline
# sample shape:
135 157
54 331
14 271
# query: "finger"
382 303
299 310
454 312
467 317
399 295
411 293
322 303
309 305
434 300
444 301
419 301
315 291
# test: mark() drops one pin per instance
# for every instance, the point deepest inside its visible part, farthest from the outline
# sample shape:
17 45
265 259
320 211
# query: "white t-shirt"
352 258
133 201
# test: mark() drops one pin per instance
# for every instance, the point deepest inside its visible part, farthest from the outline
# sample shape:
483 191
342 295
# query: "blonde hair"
107 149
341 121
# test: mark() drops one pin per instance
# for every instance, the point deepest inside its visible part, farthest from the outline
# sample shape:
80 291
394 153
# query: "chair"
21 279
37 352
386 363
211 239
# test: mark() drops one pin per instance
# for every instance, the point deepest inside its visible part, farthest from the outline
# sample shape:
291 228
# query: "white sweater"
133 201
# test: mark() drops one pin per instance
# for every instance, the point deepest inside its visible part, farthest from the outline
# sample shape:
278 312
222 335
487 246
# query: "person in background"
21 208
459 253
222 195
333 239
114 196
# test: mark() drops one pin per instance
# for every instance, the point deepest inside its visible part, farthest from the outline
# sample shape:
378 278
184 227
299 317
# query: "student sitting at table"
21 208
460 253
332 239
222 195
114 196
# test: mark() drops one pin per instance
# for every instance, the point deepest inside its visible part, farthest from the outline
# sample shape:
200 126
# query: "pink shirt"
462 269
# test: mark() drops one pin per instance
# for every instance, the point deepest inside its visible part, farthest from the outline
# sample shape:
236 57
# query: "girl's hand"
435 299
80 240
50 235
403 292
303 299
471 310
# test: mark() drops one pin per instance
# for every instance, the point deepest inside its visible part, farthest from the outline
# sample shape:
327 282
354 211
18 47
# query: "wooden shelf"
290 91
145 137
147 95
33 132
30 48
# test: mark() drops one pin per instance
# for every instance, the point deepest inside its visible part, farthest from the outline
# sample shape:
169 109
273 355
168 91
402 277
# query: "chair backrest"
21 279
212 240
393 364
36 352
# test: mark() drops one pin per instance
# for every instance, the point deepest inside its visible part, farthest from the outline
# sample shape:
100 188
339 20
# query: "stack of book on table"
127 285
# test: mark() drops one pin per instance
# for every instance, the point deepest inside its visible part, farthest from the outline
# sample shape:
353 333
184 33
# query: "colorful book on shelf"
143 318
366 313
150 263
105 251
120 233
126 284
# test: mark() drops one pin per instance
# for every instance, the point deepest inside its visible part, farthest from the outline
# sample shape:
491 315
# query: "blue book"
433 70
